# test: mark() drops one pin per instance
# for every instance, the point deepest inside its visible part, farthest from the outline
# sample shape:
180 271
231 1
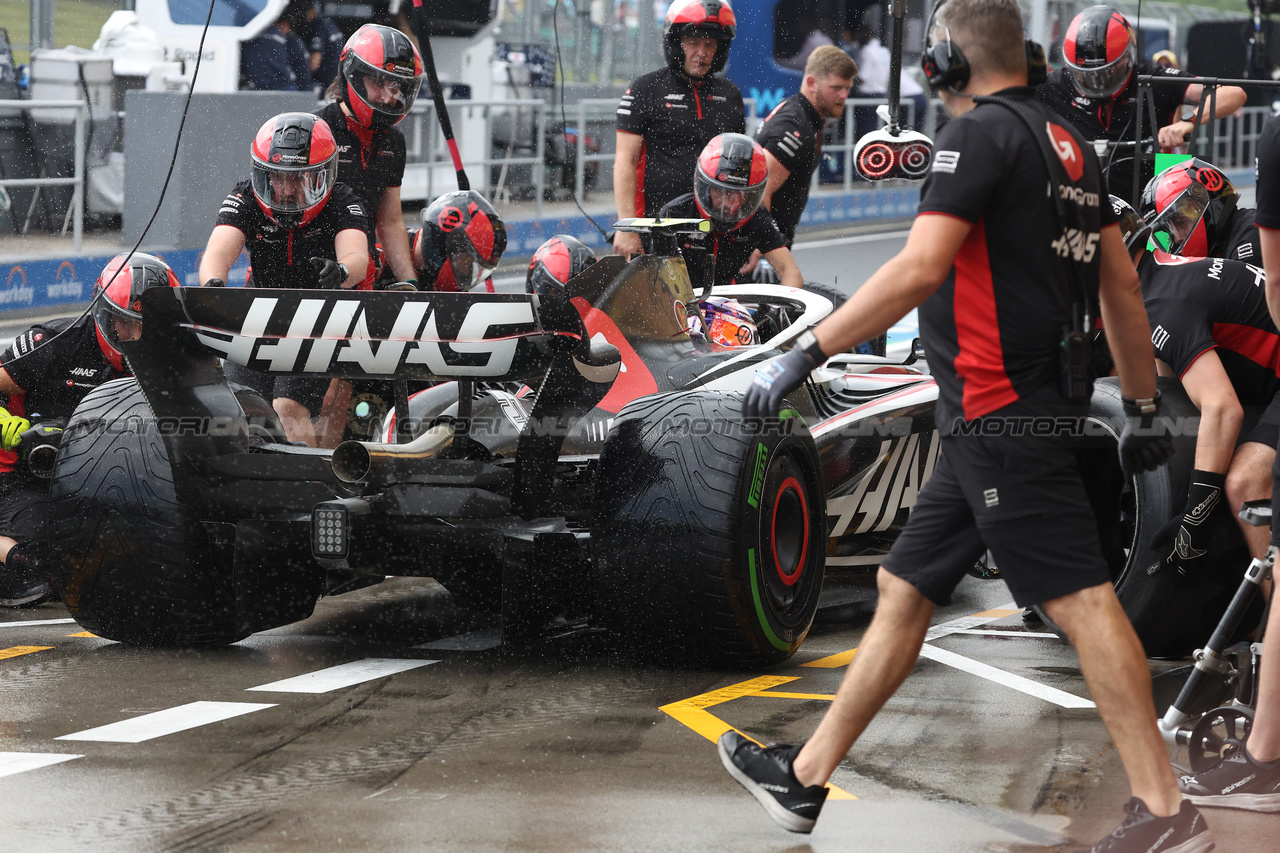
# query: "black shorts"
308 392
1267 428
1024 501
24 507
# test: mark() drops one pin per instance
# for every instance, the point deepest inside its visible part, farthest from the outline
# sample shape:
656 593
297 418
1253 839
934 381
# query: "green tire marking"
757 479
755 597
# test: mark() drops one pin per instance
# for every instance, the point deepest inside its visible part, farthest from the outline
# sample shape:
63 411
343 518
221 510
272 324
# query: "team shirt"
1242 237
281 257
1114 118
56 372
677 118
368 163
992 330
1268 174
730 250
1198 304
793 134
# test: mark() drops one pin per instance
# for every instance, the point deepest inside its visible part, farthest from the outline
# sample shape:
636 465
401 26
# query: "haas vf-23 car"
580 459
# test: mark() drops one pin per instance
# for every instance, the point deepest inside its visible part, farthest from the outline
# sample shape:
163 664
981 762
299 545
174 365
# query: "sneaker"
1237 782
1143 832
766 773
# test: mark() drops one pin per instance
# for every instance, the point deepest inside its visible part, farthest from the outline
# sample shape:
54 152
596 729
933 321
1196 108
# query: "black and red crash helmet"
1100 51
117 313
730 180
1189 207
461 241
708 18
295 166
556 261
383 72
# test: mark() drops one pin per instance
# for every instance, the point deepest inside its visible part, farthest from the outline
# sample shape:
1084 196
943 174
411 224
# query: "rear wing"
370 334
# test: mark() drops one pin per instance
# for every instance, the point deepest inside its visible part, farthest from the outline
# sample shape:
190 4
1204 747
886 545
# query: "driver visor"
1174 225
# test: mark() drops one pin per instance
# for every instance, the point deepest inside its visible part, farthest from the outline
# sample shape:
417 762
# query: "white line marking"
167 722
1008 679
963 622
36 622
343 675
472 641
20 762
1006 634
844 241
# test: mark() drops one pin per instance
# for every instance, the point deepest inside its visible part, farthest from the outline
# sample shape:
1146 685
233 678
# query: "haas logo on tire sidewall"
1067 149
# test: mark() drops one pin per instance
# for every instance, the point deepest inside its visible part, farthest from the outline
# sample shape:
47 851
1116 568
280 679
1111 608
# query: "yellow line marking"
84 634
692 713
16 651
833 661
998 613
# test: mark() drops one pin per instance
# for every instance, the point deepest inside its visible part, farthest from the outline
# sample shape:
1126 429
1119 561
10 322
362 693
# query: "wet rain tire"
708 544
132 564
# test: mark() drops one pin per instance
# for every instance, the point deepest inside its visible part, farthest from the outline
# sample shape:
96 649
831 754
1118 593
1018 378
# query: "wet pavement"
561 745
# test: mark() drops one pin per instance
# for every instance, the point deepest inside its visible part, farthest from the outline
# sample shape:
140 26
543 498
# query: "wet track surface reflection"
391 721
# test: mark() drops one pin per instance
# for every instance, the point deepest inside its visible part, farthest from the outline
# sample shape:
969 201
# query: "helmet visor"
727 206
468 269
1102 81
294 190
114 324
1174 225
385 92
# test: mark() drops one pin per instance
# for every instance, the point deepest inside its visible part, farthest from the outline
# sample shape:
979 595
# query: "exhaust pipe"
353 461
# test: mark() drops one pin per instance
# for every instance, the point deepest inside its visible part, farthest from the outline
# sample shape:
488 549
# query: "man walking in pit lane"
1210 328
47 371
995 269
1250 778
1097 92
666 116
792 134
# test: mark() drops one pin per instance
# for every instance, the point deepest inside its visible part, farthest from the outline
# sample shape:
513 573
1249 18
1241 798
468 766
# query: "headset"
945 65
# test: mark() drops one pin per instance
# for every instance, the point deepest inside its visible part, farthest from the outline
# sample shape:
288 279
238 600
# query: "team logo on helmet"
449 219
1211 178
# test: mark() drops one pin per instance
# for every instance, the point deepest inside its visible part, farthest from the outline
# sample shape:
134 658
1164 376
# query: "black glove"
1185 537
215 282
776 379
1144 443
330 274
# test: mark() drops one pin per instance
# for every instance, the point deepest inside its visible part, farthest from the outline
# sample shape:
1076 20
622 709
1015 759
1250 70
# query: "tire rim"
791 539
784 528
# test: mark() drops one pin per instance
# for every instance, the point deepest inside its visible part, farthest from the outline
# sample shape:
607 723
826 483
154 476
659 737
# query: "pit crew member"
460 243
381 73
1097 92
1210 329
728 186
1194 211
555 262
47 371
666 116
302 229
791 136
981 263
1250 777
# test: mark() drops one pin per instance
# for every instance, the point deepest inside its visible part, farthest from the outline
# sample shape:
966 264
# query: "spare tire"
708 540
132 563
1173 614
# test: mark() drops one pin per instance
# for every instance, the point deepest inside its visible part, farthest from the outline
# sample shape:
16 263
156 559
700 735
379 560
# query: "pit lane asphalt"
560 745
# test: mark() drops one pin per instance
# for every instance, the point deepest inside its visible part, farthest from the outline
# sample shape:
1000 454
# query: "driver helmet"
1100 51
117 310
556 261
1189 206
729 183
383 73
295 167
461 241
1133 229
709 18
725 321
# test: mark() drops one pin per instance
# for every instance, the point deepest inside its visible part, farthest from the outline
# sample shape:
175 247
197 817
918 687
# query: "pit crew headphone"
944 64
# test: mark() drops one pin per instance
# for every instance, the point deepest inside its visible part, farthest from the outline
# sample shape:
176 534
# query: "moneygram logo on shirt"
1064 144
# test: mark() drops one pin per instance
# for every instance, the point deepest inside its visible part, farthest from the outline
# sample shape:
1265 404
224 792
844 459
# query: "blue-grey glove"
776 379
1145 444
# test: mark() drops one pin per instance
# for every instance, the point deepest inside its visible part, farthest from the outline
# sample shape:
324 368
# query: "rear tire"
708 540
133 564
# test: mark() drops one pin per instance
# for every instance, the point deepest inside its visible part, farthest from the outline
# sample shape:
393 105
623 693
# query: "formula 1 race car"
623 490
